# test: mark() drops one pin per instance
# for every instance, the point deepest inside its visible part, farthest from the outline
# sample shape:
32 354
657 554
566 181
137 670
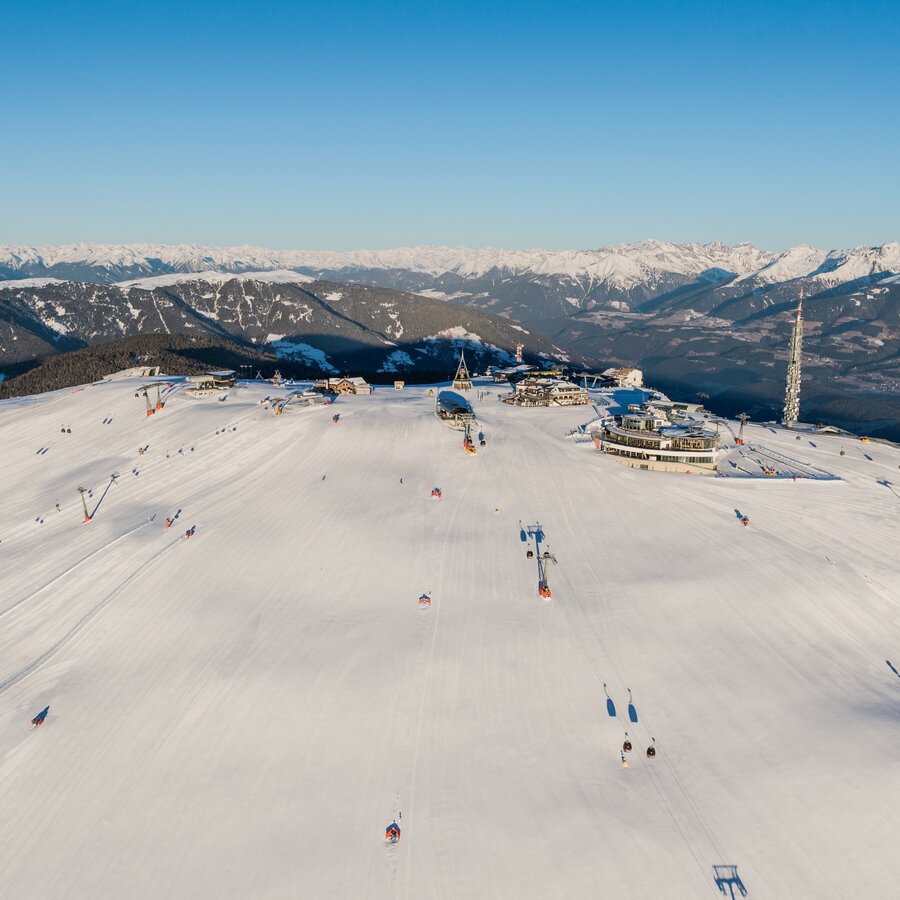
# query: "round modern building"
644 440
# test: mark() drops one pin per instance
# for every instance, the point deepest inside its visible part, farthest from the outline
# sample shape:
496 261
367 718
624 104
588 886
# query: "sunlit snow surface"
242 713
622 265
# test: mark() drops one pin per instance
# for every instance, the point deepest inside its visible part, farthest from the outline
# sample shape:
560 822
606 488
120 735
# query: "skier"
39 718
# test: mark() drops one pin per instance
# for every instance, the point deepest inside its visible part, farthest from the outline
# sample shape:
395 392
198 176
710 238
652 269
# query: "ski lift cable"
76 628
653 776
688 842
71 568
646 721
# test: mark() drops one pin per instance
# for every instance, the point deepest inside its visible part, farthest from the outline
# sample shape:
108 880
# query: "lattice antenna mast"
792 388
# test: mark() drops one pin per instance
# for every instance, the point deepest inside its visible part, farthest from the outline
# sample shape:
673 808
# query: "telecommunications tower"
792 389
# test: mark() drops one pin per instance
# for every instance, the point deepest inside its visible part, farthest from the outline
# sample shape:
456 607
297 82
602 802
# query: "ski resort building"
673 408
547 392
211 383
646 440
344 386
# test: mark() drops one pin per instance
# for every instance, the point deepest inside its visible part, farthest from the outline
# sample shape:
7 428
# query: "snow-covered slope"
275 276
241 714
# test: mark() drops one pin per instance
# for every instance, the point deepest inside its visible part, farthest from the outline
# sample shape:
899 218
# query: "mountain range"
698 318
618 266
309 325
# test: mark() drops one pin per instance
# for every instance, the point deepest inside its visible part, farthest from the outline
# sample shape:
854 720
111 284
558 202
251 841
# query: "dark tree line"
175 354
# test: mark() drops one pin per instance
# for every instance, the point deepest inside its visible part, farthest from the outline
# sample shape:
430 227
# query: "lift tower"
462 381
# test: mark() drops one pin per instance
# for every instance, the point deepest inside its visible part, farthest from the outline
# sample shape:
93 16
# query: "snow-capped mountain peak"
622 265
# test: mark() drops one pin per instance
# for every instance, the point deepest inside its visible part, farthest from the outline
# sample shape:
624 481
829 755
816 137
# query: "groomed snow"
242 714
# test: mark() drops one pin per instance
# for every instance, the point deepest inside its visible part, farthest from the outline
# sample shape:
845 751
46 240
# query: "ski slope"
242 713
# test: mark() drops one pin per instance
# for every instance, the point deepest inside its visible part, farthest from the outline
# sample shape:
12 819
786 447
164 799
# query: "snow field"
241 714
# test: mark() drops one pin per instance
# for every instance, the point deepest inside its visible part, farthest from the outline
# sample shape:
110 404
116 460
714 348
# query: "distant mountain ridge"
707 318
621 265
319 326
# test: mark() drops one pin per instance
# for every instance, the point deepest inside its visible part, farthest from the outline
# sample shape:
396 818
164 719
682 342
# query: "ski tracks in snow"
95 610
410 830
72 568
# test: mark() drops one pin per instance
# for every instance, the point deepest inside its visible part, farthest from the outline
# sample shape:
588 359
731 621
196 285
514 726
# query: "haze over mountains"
708 318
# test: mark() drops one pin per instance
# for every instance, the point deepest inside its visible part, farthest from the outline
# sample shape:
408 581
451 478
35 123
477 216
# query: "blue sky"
349 125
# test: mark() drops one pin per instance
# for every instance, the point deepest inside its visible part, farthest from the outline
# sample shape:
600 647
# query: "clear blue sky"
347 125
